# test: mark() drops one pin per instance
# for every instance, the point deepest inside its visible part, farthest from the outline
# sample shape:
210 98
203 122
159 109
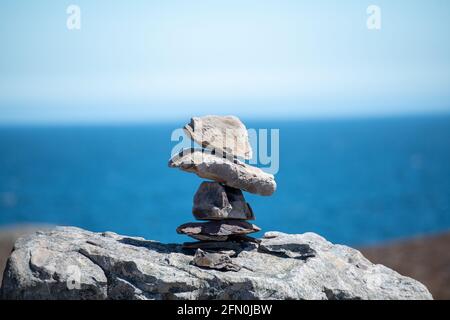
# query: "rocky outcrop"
71 263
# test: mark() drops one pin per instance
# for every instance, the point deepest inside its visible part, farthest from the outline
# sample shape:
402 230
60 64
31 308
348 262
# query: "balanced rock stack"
220 201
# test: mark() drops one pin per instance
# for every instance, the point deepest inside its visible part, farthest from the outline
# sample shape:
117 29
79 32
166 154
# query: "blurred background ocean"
86 117
354 181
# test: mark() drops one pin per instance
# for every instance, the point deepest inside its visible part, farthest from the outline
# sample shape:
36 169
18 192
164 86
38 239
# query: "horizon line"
245 118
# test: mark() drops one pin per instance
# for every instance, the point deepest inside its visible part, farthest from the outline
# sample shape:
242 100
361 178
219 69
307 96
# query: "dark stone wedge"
214 201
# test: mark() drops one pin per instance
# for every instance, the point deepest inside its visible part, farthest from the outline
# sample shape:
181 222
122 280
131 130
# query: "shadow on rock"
289 250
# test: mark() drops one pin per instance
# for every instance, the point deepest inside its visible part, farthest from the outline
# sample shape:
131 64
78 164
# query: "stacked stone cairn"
220 202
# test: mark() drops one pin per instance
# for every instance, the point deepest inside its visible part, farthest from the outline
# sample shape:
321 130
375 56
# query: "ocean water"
353 181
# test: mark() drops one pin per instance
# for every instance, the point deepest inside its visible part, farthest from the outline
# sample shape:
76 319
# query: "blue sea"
355 181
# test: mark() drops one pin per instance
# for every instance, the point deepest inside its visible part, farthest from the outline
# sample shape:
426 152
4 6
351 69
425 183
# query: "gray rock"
294 250
212 260
222 230
213 201
110 266
238 243
53 268
230 172
225 134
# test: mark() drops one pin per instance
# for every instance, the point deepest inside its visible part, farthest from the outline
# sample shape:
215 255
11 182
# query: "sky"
160 60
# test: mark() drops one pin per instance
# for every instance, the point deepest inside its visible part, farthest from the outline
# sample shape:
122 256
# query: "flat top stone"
220 230
112 266
222 133
229 171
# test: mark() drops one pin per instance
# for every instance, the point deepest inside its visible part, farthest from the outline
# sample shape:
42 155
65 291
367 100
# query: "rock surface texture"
220 261
226 134
217 230
71 263
231 172
214 201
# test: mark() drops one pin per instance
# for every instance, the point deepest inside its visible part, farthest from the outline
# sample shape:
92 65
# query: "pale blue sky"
152 60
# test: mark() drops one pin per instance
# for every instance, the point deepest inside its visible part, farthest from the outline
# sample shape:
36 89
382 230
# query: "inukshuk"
220 202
